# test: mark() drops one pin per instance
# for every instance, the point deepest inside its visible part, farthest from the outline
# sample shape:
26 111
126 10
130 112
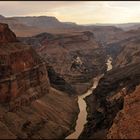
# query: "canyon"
46 69
77 65
110 105
29 104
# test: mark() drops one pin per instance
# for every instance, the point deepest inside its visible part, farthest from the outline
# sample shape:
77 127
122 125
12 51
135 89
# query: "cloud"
76 11
28 7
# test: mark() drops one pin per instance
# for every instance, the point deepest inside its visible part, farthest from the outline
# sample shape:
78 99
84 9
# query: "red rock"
20 67
6 35
126 124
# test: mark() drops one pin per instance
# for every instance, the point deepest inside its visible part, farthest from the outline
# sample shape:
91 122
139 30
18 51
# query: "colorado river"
82 116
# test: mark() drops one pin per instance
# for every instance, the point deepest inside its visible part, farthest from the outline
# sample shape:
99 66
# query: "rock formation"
115 88
112 111
6 35
20 67
126 123
77 57
129 54
29 106
59 82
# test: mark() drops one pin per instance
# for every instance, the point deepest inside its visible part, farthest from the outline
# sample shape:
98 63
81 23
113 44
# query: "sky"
81 12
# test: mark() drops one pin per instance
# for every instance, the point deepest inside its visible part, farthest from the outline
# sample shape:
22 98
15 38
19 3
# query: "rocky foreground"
29 106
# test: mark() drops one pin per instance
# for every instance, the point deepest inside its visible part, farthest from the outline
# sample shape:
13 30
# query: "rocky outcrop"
108 99
29 106
6 35
20 70
20 67
58 82
64 52
126 123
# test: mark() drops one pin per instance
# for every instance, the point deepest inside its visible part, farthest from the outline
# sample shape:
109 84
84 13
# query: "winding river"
82 116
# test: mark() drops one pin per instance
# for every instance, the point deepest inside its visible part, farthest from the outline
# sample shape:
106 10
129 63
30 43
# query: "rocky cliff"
6 35
129 53
116 91
112 108
20 67
29 106
126 123
59 82
76 56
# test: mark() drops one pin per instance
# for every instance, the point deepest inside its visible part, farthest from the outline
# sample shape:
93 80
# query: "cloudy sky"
81 12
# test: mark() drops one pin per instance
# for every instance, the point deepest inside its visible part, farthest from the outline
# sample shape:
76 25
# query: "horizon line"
87 24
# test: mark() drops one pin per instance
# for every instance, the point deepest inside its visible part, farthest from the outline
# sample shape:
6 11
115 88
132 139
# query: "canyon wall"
126 123
112 108
76 56
29 106
20 68
111 104
6 35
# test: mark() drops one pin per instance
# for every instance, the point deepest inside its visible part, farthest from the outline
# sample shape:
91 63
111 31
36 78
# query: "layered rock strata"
29 106
116 91
77 56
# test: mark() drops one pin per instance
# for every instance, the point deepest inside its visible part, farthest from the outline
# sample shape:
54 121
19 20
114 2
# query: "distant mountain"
128 26
33 25
27 26
38 21
124 26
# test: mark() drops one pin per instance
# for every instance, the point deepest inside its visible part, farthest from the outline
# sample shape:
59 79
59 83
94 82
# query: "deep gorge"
50 82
